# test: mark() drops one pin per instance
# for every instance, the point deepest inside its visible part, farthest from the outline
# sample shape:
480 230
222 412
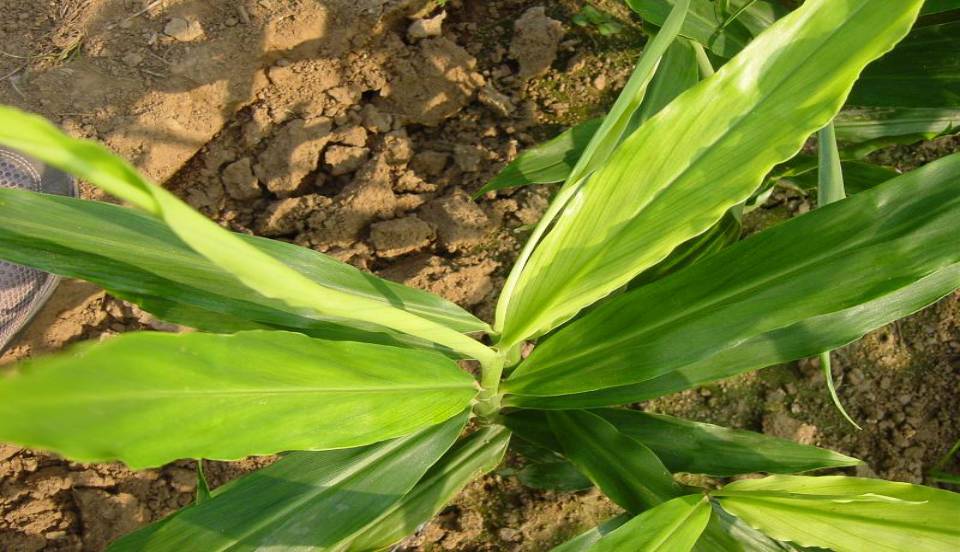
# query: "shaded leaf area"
931 7
139 258
305 500
694 447
722 234
922 71
150 398
726 533
719 31
628 472
554 476
740 106
879 126
471 457
847 513
858 176
888 252
546 163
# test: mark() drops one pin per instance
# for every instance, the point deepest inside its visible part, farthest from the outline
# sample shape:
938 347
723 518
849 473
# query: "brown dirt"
339 126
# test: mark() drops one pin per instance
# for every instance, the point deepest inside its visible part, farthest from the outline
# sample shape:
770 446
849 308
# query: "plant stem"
706 68
488 401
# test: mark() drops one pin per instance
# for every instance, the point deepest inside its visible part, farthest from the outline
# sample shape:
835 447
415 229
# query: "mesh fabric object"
24 290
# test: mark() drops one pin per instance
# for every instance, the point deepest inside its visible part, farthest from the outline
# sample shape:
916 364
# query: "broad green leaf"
847 513
138 257
886 252
473 456
629 473
706 25
695 447
673 526
150 398
922 71
554 476
306 500
252 266
796 341
546 163
710 148
584 541
873 124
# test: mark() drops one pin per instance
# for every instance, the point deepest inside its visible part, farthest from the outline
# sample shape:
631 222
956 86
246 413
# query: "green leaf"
150 398
906 125
695 447
138 257
847 513
830 189
618 122
673 526
546 163
886 252
203 488
922 71
705 24
629 473
829 171
305 500
255 268
473 456
585 541
741 129
554 476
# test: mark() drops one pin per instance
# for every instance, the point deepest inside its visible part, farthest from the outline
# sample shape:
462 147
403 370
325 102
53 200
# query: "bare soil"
338 126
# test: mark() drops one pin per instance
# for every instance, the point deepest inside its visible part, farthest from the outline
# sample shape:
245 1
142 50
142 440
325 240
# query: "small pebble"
132 59
426 28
